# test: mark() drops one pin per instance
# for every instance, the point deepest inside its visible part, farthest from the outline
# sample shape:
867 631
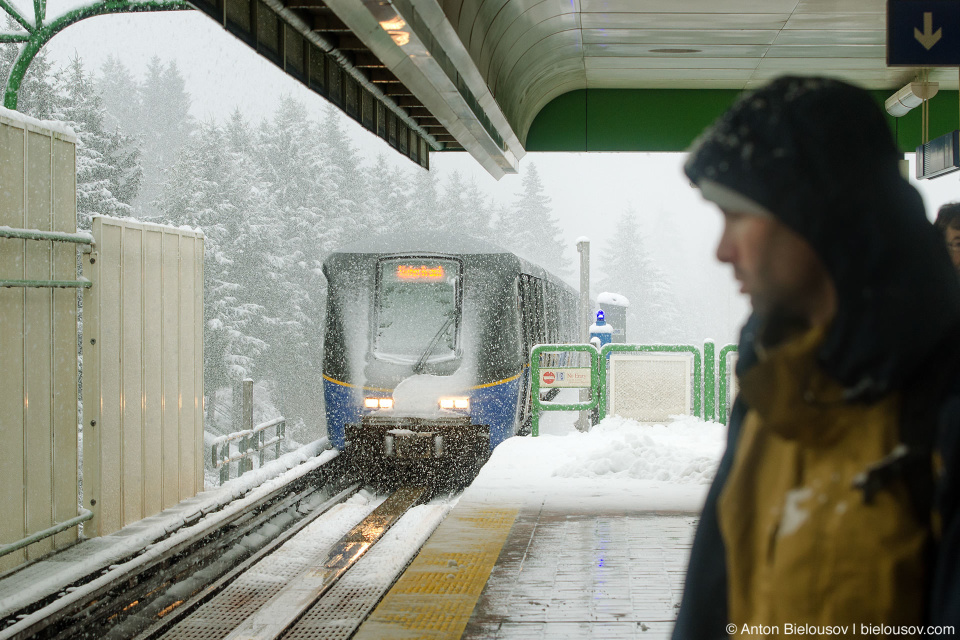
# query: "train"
427 344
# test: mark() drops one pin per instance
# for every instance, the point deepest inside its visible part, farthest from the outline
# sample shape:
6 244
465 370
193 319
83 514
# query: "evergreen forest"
273 199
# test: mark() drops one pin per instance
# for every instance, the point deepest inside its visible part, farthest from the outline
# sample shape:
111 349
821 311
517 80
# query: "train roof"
426 241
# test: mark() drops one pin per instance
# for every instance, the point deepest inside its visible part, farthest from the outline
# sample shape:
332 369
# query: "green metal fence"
655 348
709 386
596 397
722 375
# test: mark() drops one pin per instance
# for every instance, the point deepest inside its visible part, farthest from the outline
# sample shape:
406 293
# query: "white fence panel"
650 387
38 338
143 371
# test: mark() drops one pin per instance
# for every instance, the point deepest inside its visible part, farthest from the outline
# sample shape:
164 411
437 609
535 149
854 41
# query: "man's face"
775 266
952 236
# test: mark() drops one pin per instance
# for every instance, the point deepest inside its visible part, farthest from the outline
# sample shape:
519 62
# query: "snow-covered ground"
618 462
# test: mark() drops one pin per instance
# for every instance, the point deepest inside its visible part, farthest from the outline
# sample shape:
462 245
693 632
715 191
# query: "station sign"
923 33
569 377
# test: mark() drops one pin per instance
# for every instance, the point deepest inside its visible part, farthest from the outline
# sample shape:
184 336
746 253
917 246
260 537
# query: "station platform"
528 553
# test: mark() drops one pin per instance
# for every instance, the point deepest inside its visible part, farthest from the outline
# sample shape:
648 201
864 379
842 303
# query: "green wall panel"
670 119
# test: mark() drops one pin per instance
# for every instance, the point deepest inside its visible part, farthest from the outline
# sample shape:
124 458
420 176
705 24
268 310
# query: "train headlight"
378 403
455 403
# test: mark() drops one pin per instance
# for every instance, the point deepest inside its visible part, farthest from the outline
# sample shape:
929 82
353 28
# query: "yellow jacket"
802 547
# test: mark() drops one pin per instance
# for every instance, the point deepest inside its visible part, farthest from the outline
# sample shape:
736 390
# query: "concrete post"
585 318
246 464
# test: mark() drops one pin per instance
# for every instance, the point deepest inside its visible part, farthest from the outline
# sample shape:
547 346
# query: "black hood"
819 156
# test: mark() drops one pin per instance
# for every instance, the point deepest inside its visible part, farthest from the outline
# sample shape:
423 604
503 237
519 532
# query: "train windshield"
417 310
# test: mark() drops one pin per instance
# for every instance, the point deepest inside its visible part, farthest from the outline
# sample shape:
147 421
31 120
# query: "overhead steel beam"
416 42
288 38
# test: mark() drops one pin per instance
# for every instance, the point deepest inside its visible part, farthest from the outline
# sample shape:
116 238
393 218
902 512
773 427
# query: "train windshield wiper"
417 368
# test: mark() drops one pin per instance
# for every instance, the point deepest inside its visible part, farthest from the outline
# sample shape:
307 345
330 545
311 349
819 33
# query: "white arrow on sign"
929 37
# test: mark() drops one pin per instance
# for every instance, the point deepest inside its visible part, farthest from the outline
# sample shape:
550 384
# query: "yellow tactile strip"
436 595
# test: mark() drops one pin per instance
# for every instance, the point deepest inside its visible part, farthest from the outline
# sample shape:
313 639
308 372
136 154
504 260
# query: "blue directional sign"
923 33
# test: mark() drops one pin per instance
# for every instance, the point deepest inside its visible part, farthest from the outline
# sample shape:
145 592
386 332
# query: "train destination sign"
923 33
565 377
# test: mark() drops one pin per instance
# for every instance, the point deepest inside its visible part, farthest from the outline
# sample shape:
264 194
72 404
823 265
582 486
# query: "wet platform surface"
541 569
586 576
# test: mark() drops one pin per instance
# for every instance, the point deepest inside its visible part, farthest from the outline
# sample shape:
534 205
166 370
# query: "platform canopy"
499 77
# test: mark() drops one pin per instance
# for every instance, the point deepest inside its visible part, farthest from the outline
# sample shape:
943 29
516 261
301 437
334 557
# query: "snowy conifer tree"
387 201
165 127
346 198
477 212
306 216
121 96
108 170
424 210
631 271
530 228
213 186
37 96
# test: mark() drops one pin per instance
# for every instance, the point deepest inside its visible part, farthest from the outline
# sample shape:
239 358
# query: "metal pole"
585 312
224 452
709 381
281 429
260 441
246 462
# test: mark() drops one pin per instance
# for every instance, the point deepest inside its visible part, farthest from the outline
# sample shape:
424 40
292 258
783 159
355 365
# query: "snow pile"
619 464
686 451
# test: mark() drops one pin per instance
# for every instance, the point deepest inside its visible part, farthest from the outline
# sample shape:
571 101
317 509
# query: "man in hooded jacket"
835 503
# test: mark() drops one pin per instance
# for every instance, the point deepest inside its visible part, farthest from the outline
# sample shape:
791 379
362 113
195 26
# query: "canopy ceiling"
480 71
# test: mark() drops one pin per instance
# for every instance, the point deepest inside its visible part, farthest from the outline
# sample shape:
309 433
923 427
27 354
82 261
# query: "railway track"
262 574
284 593
122 600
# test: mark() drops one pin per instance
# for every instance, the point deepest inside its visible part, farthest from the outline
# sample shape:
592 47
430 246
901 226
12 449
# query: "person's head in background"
948 222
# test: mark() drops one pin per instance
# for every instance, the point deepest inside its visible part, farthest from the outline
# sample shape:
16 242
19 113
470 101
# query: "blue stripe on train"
495 406
343 407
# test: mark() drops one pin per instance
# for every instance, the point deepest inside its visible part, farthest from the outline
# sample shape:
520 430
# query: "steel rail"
116 595
284 609
171 609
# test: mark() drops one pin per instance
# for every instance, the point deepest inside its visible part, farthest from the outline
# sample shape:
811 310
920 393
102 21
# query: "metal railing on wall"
248 442
46 533
38 341
55 236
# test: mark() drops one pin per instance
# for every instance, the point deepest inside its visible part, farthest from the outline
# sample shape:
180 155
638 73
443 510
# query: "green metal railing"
722 376
596 397
46 533
52 236
38 33
655 348
709 392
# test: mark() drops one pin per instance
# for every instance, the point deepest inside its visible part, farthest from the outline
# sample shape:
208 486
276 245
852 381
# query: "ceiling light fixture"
675 50
909 97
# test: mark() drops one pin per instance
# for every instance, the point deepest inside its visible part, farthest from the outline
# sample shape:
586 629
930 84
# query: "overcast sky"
589 191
